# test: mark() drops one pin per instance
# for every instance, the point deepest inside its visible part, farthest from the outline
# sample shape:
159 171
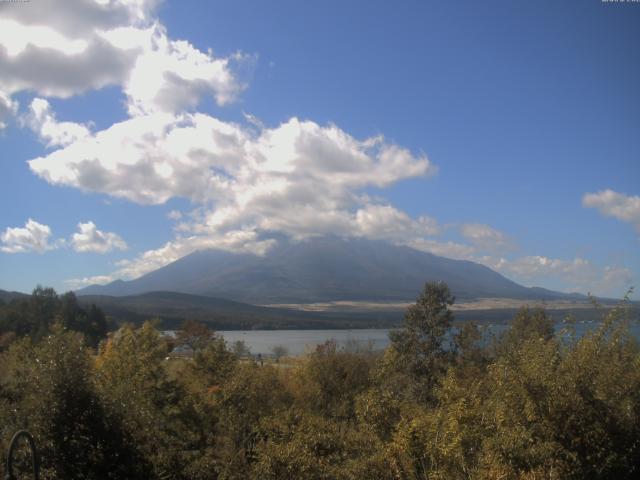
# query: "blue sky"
136 131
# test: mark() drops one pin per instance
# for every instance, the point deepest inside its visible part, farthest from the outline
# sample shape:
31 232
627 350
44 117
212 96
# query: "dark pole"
34 455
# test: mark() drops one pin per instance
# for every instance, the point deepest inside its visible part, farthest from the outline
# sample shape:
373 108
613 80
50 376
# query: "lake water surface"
300 341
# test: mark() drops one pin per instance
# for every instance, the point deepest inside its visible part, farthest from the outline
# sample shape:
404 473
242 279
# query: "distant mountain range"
9 296
321 270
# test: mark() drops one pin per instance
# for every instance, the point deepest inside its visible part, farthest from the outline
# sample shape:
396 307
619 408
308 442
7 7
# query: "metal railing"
34 455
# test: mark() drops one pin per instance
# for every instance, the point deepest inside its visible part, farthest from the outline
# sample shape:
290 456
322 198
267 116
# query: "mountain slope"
9 296
173 308
319 270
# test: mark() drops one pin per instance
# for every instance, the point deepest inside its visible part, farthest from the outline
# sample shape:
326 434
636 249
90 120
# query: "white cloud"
172 75
80 17
579 274
75 283
535 265
43 121
299 177
8 107
388 223
485 237
33 237
613 204
174 215
447 249
90 44
17 37
72 66
147 159
90 239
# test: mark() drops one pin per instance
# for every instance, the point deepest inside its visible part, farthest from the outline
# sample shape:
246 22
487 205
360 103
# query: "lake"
300 341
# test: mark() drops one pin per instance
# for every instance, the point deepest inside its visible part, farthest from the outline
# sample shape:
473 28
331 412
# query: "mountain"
320 270
9 296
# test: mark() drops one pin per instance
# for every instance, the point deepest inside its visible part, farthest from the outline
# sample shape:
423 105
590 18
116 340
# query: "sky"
133 132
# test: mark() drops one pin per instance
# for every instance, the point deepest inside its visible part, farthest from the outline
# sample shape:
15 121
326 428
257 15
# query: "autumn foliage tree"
443 401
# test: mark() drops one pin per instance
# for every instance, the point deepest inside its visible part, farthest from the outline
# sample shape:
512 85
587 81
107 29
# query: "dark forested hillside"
6 297
172 308
34 315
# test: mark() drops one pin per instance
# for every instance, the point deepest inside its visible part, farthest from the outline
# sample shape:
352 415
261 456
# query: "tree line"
33 316
438 403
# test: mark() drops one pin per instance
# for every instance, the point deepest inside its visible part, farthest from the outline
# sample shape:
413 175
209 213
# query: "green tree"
35 315
240 349
419 344
212 365
194 335
250 394
527 324
329 380
42 309
91 323
156 410
297 444
279 351
51 393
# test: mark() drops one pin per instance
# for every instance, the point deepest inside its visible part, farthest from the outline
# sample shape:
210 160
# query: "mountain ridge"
8 296
323 269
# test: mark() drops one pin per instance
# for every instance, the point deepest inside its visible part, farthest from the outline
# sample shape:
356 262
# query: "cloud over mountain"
247 185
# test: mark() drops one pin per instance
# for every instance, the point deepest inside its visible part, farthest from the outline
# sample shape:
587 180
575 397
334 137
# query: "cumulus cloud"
485 237
299 177
613 204
90 239
579 274
172 75
385 222
72 64
42 120
8 107
149 159
80 17
33 237
90 44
